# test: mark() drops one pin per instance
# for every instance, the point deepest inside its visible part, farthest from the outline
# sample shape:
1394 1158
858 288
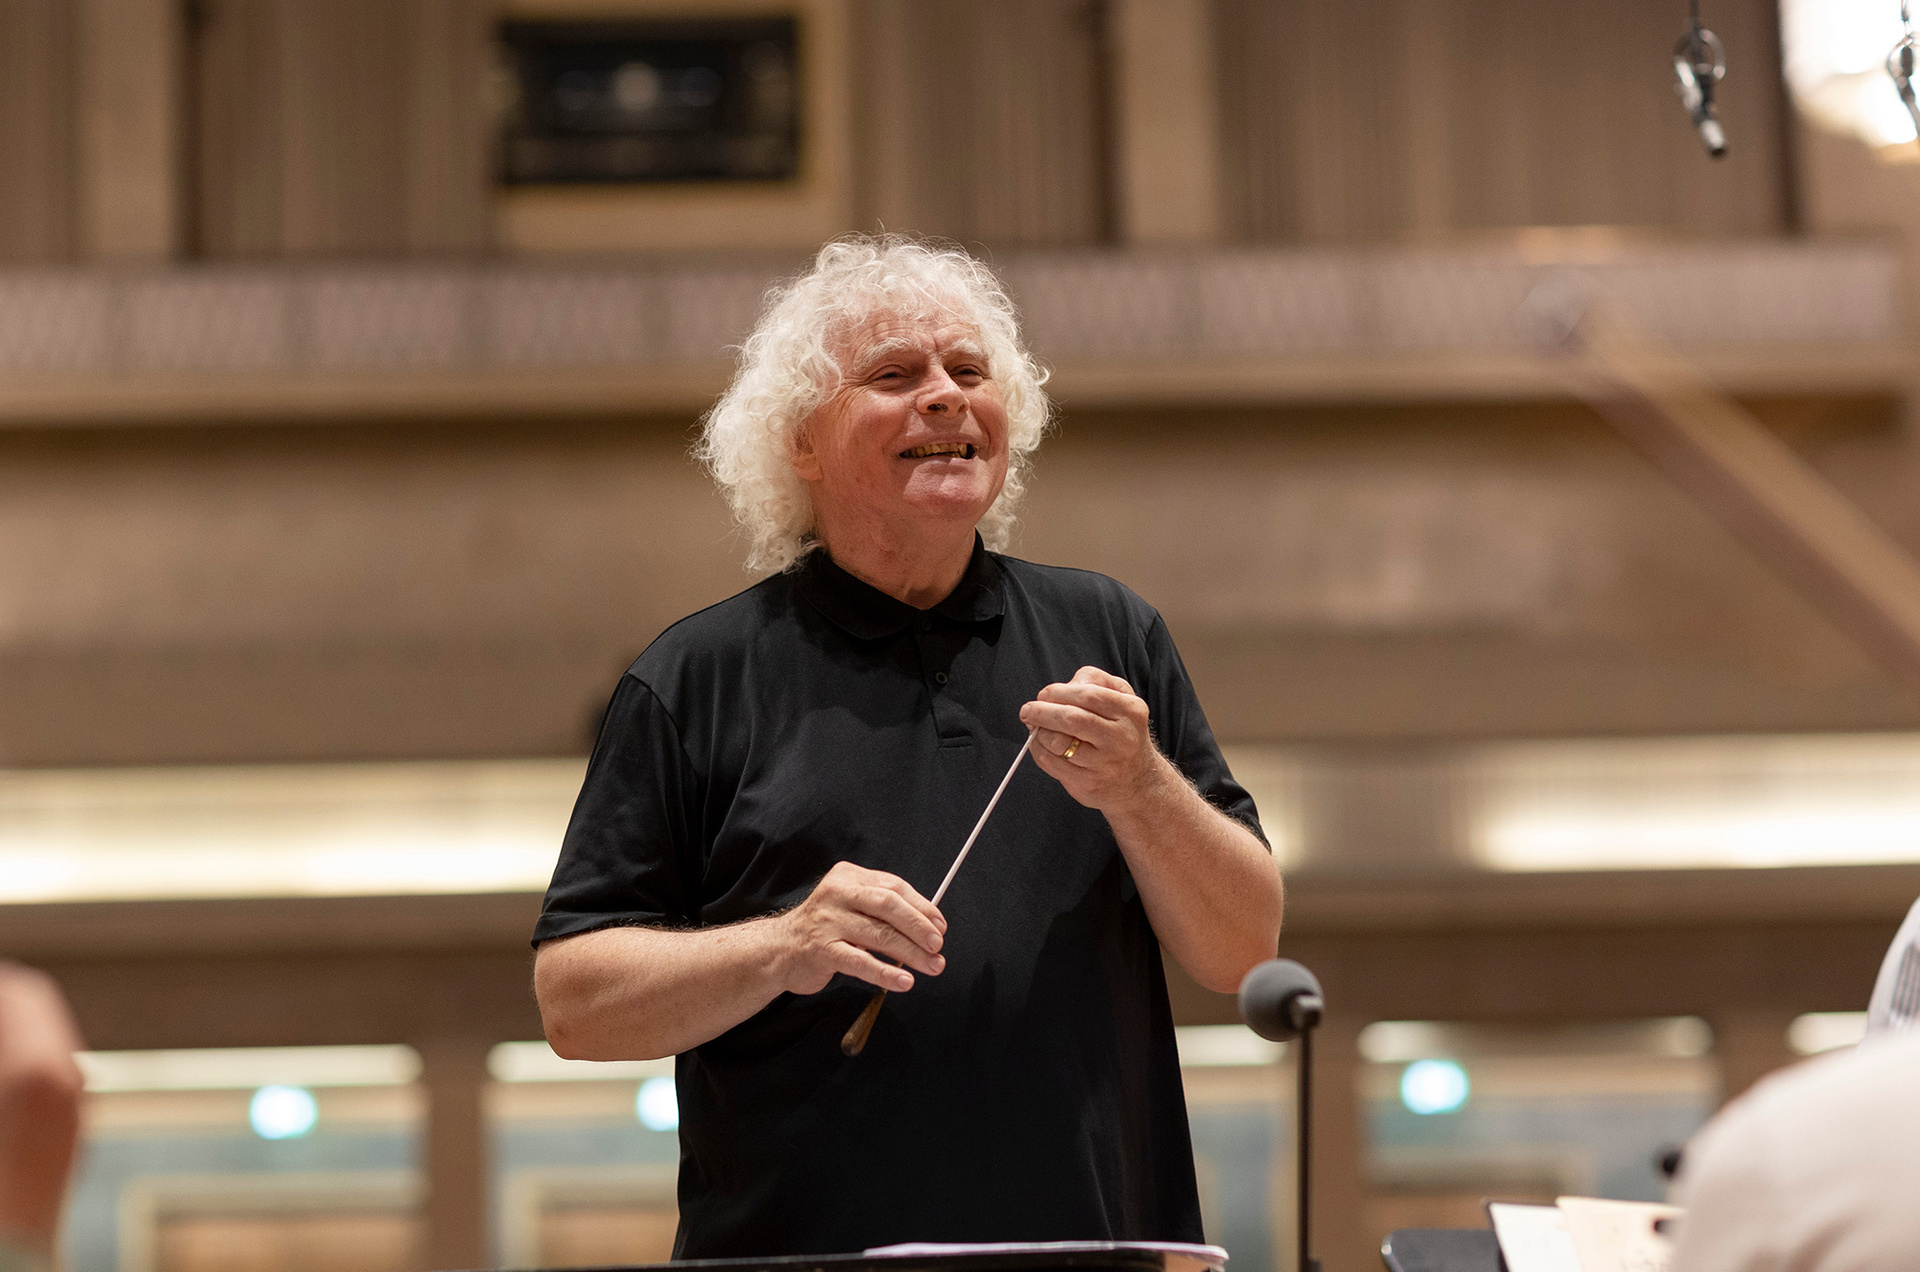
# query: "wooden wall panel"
342 70
127 116
355 127
37 131
289 1242
1313 134
449 141
1380 120
234 74
983 120
358 127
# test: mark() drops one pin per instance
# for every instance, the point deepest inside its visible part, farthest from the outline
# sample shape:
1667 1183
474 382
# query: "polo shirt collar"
866 613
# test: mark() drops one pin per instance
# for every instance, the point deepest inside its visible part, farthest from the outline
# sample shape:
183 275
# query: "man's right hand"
851 915
630 993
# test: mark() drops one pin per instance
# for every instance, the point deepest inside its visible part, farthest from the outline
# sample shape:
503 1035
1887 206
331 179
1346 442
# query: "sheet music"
1533 1237
1619 1236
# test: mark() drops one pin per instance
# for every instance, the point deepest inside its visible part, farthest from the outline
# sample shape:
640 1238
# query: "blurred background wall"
350 354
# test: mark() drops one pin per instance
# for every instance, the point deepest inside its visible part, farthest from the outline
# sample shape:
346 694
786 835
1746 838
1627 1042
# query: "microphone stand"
1304 1011
1281 1001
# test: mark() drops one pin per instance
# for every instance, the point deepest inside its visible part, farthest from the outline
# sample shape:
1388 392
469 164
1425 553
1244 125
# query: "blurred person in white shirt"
1816 1169
1895 1004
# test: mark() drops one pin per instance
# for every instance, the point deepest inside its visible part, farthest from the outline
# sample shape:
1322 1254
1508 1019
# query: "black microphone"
1280 1000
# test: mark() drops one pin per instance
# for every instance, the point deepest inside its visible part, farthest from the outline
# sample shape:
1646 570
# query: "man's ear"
800 452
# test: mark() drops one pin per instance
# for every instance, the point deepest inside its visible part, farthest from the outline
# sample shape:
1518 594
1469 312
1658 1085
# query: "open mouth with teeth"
934 450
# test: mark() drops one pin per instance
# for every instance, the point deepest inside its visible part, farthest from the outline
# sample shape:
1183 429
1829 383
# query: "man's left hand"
1103 722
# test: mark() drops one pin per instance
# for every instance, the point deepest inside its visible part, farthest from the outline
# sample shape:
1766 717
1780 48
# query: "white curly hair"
787 368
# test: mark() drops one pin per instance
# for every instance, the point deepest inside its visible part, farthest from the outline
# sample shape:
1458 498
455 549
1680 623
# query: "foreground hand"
39 1105
853 914
1114 761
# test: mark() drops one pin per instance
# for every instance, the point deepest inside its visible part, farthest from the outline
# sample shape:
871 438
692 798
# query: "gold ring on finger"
1071 748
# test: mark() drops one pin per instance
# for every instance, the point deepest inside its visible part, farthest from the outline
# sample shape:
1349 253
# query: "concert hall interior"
1529 492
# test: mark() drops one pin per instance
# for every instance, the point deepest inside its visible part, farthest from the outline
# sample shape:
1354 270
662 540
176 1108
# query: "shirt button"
926 624
939 677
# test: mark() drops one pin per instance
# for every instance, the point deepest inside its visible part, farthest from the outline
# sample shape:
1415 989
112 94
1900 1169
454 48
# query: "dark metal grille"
649 101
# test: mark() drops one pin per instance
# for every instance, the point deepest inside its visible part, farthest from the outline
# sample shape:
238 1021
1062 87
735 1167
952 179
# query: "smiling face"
913 445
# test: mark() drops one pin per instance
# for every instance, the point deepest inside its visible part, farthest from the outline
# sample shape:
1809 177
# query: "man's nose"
942 395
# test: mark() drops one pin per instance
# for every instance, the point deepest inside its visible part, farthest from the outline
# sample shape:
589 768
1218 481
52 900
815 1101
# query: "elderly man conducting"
783 778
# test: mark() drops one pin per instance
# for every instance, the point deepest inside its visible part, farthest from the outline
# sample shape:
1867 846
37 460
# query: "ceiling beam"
1743 474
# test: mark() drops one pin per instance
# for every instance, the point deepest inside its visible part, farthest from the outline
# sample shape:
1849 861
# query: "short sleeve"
1180 728
630 851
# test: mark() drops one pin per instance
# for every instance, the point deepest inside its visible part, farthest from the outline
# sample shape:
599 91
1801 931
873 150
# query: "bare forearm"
1211 889
643 993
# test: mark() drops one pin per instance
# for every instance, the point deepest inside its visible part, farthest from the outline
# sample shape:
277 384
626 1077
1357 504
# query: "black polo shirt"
1031 1092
